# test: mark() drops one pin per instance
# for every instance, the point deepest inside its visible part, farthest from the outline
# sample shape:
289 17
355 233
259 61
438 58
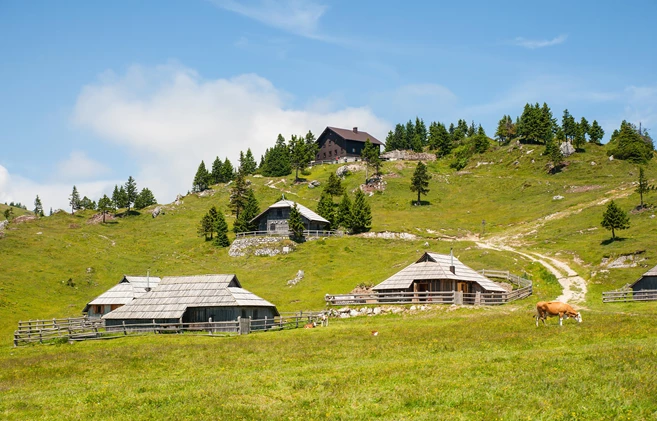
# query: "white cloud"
299 17
533 44
170 119
79 166
14 188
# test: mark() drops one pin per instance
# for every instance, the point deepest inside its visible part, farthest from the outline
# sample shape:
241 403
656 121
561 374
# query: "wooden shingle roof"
358 136
128 289
433 266
304 211
174 294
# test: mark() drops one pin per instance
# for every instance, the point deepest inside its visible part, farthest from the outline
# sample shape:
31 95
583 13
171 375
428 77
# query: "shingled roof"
304 211
128 289
175 294
436 266
355 135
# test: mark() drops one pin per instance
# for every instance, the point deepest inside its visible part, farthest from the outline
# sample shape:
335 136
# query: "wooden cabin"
192 299
435 272
647 282
335 144
129 288
274 220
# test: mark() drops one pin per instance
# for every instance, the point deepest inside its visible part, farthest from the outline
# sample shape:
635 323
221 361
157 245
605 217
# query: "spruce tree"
343 216
115 197
506 130
642 187
334 185
74 200
104 205
311 146
250 211
420 181
227 171
300 155
217 171
596 133
87 204
248 165
580 137
205 227
238 195
296 223
145 198
201 179
326 208
361 214
585 127
568 125
122 198
420 132
130 191
38 207
370 155
277 160
614 218
214 217
221 228
410 135
440 139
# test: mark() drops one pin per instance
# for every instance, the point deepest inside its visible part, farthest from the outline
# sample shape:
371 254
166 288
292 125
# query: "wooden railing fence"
627 295
306 233
83 328
523 290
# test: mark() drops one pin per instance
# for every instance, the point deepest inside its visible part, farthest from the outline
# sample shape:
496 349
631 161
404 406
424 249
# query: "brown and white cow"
545 309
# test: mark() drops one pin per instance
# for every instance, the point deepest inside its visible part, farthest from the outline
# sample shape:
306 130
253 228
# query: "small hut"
274 220
191 299
129 288
647 282
435 272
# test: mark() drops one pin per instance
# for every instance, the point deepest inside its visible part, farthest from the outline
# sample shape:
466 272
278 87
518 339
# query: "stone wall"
261 246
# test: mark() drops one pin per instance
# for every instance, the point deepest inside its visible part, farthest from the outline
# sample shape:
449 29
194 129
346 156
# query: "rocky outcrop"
345 170
297 279
156 212
567 149
313 184
408 156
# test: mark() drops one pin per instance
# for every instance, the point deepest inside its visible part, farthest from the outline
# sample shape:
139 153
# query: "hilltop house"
192 299
129 288
343 144
274 220
438 272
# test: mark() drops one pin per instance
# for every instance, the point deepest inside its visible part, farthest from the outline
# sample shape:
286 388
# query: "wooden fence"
83 328
627 295
306 233
523 290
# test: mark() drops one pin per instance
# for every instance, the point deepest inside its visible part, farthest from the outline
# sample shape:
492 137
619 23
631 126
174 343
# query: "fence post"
15 338
477 298
239 325
125 332
458 298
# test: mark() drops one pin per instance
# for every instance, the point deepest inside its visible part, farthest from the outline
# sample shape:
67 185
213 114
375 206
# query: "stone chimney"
355 129
452 268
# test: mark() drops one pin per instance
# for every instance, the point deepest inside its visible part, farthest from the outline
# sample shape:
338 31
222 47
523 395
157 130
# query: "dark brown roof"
358 136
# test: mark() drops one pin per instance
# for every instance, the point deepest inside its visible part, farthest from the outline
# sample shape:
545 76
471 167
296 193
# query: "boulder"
377 310
179 200
567 149
313 184
557 197
156 212
353 313
3 224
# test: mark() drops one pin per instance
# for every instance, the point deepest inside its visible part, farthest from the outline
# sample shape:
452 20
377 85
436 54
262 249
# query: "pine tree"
585 127
642 187
440 139
250 211
87 204
277 160
343 216
361 214
596 133
145 198
122 198
614 218
398 139
115 197
506 130
529 124
370 155
420 181
213 214
131 191
300 155
201 179
38 207
420 132
296 223
221 228
630 144
326 208
217 171
205 227
104 205
238 195
311 146
568 125
580 137
248 165
553 150
334 185
74 200
227 171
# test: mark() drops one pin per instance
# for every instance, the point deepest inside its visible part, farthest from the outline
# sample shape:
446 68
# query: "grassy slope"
479 367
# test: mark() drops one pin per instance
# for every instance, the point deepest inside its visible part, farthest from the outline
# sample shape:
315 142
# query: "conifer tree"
248 165
614 218
38 207
643 186
296 223
326 208
227 171
277 160
361 214
104 205
311 146
506 130
420 181
131 192
213 214
370 155
201 179
145 198
250 211
343 216
568 125
420 132
585 127
115 197
410 135
334 185
205 227
221 228
300 154
87 203
217 171
238 195
596 133
74 200
122 198
580 137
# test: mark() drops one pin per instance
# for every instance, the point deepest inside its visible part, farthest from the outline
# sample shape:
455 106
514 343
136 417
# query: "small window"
324 154
329 153
336 152
353 150
272 227
279 212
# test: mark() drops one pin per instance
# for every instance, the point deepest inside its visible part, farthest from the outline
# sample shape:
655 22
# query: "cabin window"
255 314
279 212
329 153
353 150
272 227
324 154
336 152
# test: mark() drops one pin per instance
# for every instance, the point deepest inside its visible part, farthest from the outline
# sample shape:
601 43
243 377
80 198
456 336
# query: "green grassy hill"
468 363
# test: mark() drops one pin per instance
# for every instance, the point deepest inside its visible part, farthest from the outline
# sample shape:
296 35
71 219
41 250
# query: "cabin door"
421 288
462 287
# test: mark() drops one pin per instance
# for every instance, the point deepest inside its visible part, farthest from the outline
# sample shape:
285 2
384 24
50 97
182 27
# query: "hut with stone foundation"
275 219
192 299
129 288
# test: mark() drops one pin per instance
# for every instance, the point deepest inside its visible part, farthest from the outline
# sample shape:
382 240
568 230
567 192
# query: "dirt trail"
574 286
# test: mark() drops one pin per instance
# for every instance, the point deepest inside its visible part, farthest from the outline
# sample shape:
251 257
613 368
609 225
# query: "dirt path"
574 286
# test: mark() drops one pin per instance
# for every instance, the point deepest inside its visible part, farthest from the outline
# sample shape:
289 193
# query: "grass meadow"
444 363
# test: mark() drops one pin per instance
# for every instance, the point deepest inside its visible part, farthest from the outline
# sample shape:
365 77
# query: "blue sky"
92 92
